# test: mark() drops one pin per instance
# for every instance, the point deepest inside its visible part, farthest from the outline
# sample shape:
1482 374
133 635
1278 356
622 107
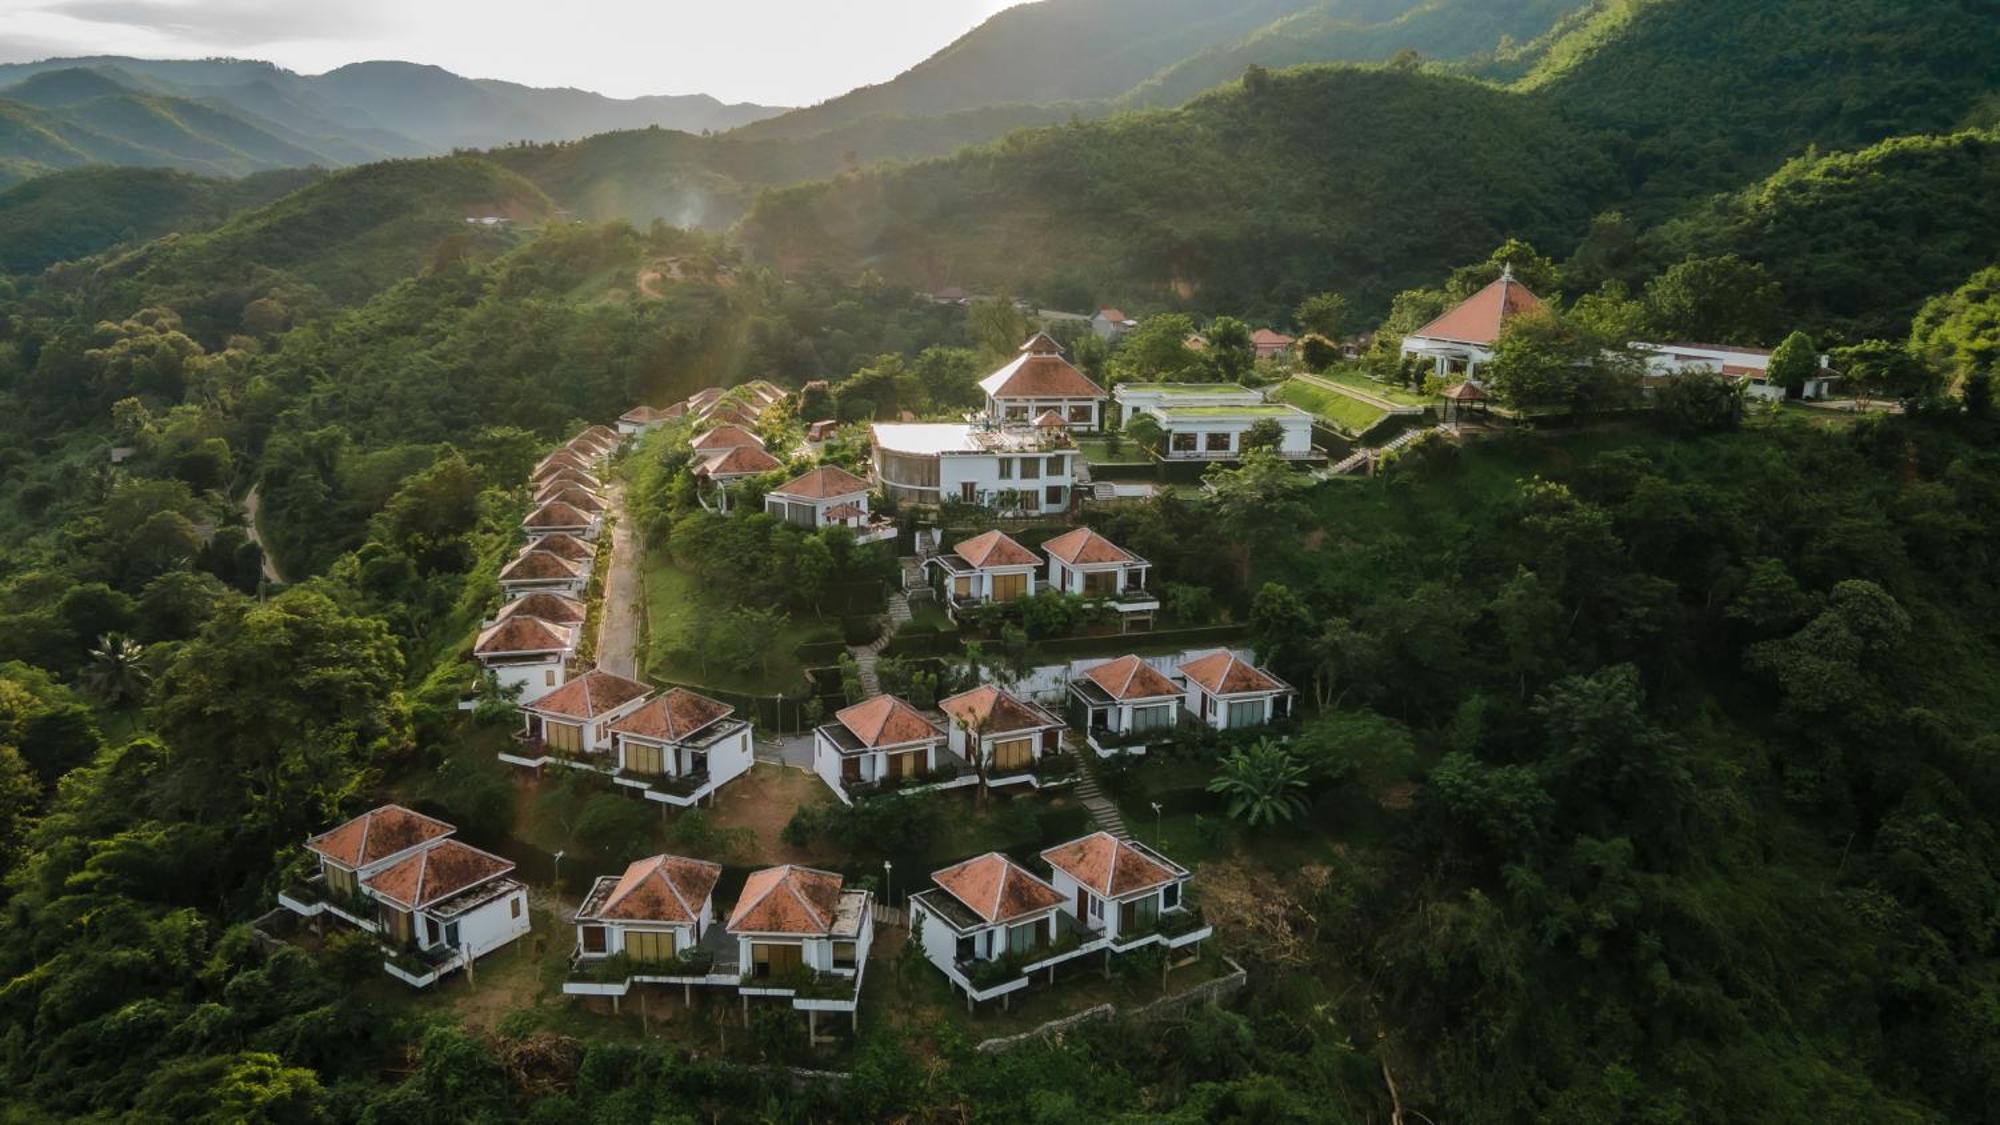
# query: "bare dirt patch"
762 802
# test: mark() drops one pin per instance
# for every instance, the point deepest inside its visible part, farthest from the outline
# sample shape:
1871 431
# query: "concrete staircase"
1100 807
1363 460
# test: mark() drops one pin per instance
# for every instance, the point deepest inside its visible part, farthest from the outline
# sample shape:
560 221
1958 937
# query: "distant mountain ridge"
228 117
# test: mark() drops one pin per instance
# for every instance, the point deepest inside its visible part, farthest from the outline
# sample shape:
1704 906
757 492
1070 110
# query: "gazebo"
1458 395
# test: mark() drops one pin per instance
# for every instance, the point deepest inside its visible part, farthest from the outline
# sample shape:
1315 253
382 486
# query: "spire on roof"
1041 343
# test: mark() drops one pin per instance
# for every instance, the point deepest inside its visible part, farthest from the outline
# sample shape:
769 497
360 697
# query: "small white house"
1111 324
544 572
876 741
1125 698
985 909
1038 382
1117 888
826 497
1134 399
573 722
1461 342
990 567
1229 693
1001 735
1087 565
1027 471
526 653
436 904
792 922
645 419
721 469
655 912
682 746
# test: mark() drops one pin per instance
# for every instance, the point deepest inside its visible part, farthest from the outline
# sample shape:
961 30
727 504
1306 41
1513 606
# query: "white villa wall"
492 925
732 757
1197 697
536 680
982 472
940 943
1295 439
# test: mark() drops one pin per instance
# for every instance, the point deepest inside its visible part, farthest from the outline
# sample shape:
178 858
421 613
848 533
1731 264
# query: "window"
563 736
964 951
1080 414
1246 714
1217 443
514 907
1170 896
1007 587
593 939
1184 443
1053 496
1156 717
1031 468
1017 413
961 586
775 960
451 935
549 678
641 758
1138 917
1056 467
341 881
1006 468
650 947
843 954
1100 583
1013 755
1021 939
966 493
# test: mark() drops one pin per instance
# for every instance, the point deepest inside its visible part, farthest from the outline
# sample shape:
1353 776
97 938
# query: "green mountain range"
227 117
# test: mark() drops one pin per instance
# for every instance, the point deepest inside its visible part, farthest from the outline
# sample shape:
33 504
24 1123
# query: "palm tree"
117 669
1263 782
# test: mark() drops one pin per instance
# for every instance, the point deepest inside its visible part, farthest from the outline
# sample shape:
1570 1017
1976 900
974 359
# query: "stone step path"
1093 799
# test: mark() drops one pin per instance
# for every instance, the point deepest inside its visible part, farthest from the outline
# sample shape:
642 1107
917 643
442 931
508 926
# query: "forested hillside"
1240 200
67 215
1646 106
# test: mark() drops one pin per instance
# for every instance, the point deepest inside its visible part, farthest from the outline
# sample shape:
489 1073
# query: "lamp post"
558 875
888 883
1156 823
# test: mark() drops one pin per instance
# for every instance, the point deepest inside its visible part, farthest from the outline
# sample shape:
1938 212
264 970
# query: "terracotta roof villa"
1229 693
1006 737
793 923
990 567
557 516
571 725
564 545
1124 700
1039 381
825 496
1461 341
878 742
521 635
436 903
824 483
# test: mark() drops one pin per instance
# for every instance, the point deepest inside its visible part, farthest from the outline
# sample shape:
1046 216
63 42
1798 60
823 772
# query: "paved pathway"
618 628
794 750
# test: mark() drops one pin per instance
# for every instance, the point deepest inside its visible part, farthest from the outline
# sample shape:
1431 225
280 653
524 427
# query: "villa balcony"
314 898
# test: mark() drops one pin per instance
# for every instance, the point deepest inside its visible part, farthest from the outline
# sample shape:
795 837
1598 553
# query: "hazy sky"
789 52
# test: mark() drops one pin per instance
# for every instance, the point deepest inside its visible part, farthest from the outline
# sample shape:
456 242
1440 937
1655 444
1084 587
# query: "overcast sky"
785 52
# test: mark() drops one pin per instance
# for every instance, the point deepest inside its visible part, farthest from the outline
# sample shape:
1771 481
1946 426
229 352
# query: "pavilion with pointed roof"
1038 382
1086 564
1461 342
680 747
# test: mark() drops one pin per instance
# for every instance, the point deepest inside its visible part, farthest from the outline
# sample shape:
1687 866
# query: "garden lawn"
1360 382
674 604
1097 451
